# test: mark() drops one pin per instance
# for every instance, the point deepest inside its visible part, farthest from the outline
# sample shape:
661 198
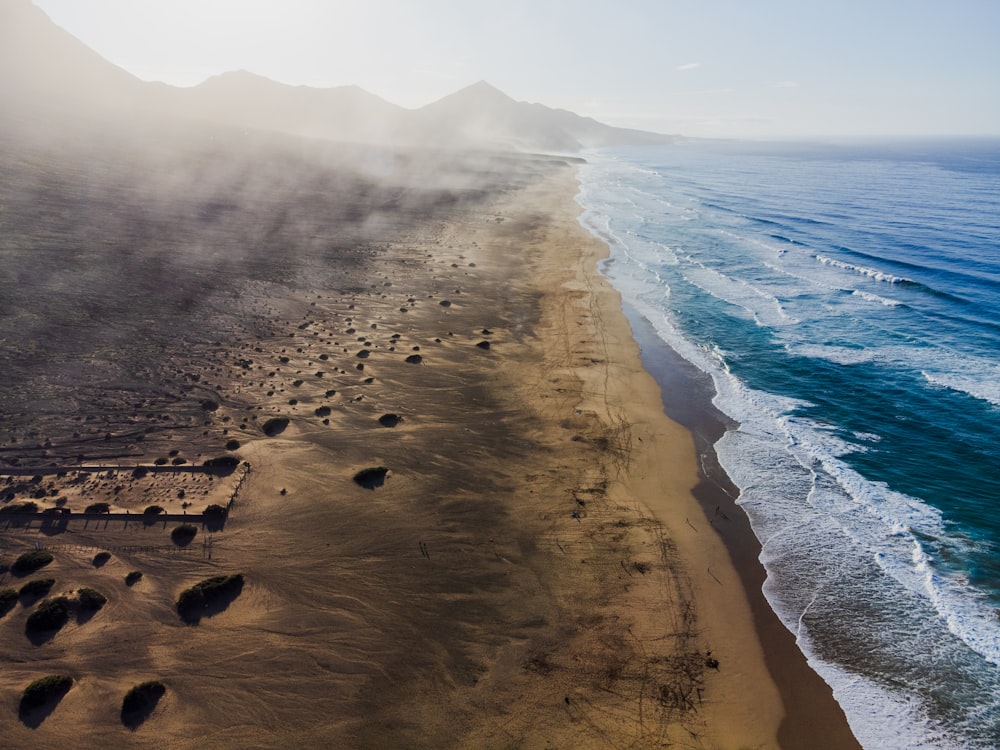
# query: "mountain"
344 113
481 112
47 72
43 66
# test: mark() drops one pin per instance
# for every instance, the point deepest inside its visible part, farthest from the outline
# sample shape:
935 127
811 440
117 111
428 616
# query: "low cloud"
786 85
688 66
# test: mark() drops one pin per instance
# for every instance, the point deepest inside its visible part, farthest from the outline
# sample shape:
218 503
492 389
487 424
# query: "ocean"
844 300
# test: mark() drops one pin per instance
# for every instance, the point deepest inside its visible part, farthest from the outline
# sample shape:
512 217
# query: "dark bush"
208 596
26 506
101 559
44 692
133 578
414 359
50 616
223 464
371 477
275 426
140 701
161 461
97 508
36 588
483 344
91 600
233 445
215 511
184 534
8 598
322 411
29 562
389 420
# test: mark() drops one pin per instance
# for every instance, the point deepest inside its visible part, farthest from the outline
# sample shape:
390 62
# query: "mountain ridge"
45 68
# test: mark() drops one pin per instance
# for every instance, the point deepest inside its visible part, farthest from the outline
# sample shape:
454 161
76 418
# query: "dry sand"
535 571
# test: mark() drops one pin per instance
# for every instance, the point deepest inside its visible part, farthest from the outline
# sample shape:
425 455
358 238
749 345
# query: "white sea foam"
764 308
887 278
984 386
876 298
841 355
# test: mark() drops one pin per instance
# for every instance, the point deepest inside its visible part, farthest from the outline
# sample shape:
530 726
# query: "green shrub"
184 534
44 692
36 588
218 591
51 615
8 598
29 562
27 506
222 464
372 477
91 600
275 426
140 701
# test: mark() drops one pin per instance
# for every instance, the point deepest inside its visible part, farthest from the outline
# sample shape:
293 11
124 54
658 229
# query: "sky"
709 68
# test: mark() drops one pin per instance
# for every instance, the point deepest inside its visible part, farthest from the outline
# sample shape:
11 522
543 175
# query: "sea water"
844 299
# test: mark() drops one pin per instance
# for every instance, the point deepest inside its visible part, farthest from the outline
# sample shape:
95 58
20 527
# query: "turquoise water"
845 300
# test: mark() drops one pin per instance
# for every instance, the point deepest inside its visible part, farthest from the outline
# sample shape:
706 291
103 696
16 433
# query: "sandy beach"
542 565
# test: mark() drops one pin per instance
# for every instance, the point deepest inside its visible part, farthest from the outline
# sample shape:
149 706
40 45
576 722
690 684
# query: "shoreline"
810 706
811 716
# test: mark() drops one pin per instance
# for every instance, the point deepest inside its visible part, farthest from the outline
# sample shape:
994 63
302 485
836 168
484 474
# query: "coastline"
535 571
757 654
813 718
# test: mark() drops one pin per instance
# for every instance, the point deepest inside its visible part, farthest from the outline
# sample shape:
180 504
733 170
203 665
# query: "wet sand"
535 569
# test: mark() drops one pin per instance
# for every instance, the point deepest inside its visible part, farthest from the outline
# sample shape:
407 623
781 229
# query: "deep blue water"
845 300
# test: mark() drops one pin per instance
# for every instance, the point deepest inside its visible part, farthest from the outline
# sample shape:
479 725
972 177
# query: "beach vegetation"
140 701
372 477
50 617
90 600
43 693
36 588
25 506
208 596
223 465
184 534
215 511
29 562
8 598
275 426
